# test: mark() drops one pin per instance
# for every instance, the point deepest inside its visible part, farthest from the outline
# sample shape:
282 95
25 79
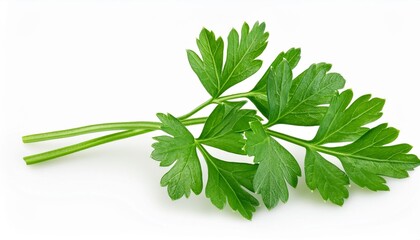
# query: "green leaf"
292 56
241 60
226 182
312 88
368 159
185 175
225 125
345 123
305 97
330 181
276 166
278 88
209 68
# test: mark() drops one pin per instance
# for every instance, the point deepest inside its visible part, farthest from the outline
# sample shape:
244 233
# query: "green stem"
41 157
235 96
123 125
132 129
88 129
289 138
218 101
195 110
100 128
305 143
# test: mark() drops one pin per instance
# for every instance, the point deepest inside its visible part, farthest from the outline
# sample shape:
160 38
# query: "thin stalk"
306 144
123 125
99 128
132 129
218 101
89 129
289 138
195 110
235 96
41 157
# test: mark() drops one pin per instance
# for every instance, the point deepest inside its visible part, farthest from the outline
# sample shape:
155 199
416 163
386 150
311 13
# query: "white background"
70 63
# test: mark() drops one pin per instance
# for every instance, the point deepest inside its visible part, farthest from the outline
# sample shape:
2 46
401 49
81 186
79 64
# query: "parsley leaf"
278 85
276 166
227 180
240 63
185 175
309 90
209 68
260 90
330 181
368 159
345 123
298 100
365 160
225 125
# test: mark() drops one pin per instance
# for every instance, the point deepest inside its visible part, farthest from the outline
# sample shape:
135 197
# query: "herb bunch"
312 98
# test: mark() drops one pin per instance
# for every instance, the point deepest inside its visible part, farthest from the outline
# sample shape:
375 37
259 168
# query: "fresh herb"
310 99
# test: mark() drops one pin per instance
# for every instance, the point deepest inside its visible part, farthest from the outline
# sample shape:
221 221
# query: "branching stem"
130 129
41 157
101 128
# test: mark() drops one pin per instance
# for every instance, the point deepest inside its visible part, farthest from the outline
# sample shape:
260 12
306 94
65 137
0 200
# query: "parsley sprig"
312 98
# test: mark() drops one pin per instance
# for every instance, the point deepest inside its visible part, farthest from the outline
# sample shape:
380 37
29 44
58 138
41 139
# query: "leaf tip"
160 115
